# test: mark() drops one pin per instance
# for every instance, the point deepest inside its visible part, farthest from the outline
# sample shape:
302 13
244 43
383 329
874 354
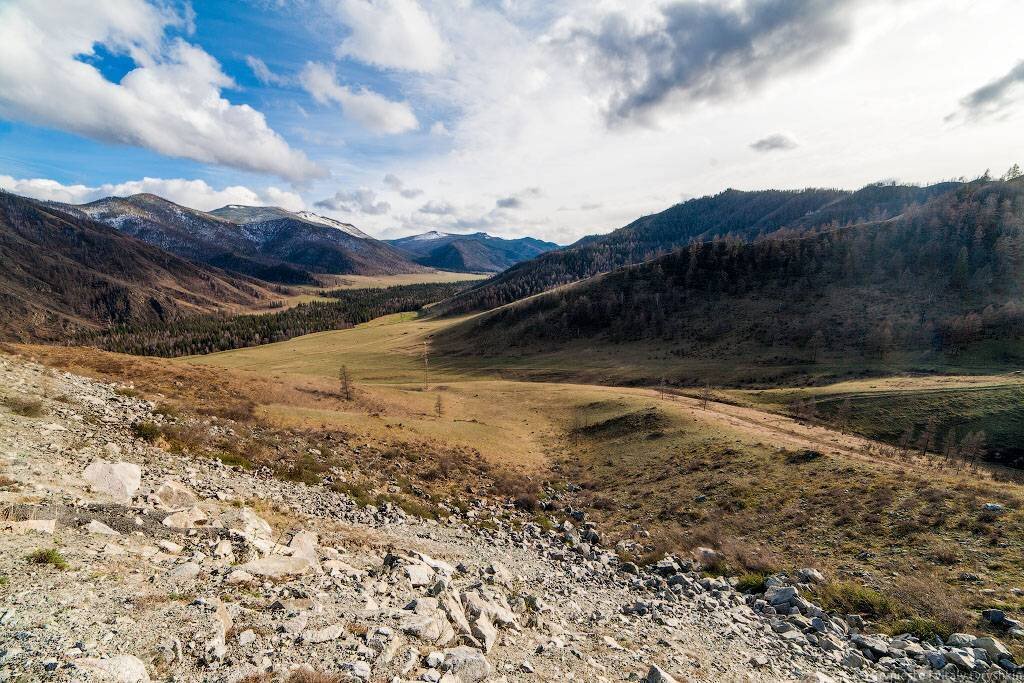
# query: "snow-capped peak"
432 235
311 217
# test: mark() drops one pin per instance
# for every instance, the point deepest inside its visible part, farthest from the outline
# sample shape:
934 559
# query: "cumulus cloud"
438 208
263 73
171 102
362 200
398 185
995 97
774 143
518 200
696 51
196 194
394 34
371 110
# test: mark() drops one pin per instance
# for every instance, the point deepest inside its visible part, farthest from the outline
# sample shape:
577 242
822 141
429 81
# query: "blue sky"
510 116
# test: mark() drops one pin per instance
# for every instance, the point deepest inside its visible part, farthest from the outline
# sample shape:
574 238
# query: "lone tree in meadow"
705 396
439 406
346 385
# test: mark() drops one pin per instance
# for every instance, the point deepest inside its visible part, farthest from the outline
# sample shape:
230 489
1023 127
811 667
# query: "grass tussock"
48 556
921 605
147 431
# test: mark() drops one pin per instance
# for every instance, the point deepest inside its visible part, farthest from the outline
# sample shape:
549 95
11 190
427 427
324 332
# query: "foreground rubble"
171 574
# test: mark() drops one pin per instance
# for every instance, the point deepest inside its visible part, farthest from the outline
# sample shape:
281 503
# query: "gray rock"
658 675
98 527
779 595
810 575
276 566
119 480
995 649
175 496
467 664
120 669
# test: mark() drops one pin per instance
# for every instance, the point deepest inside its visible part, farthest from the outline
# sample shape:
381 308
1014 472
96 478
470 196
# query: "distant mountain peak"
475 252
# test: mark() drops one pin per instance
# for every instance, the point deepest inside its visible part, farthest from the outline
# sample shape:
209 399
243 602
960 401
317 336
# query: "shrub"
147 431
50 556
752 583
26 407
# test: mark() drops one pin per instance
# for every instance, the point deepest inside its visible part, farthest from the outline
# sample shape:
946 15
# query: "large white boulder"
248 522
277 566
175 495
121 669
119 480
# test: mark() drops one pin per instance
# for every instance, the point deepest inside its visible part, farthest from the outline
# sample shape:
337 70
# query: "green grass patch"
753 582
50 556
147 431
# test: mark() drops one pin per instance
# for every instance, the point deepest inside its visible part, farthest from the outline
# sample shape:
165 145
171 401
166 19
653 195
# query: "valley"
842 399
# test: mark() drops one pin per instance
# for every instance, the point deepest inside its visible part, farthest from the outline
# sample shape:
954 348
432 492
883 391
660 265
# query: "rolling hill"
742 215
474 253
264 242
942 279
63 273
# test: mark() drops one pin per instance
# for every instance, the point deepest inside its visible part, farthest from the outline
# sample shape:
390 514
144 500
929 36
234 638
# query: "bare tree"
346 384
843 415
426 368
905 441
705 396
439 406
926 441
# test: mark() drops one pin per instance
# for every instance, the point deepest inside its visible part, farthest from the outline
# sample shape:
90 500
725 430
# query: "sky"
513 117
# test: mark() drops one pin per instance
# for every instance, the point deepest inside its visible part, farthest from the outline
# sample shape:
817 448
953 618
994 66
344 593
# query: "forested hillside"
744 216
61 273
210 333
942 279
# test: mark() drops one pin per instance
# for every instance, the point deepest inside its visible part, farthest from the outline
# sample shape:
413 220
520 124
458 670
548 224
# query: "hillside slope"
474 253
943 280
732 213
62 273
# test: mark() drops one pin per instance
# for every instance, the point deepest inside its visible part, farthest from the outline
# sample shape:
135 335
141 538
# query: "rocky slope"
121 561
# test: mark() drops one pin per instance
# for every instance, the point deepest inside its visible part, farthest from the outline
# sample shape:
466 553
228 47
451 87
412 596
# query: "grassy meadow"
740 474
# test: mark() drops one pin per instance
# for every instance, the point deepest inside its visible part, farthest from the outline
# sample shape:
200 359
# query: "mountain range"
474 253
63 272
264 242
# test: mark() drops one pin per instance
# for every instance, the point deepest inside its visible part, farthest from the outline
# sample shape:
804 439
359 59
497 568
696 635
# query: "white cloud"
170 103
263 73
395 34
196 194
371 110
363 200
398 185
438 208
